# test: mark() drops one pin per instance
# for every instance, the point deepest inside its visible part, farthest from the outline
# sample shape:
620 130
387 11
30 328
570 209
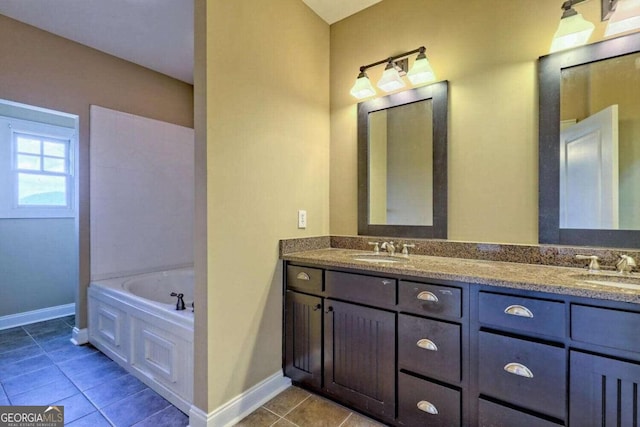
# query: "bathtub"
134 321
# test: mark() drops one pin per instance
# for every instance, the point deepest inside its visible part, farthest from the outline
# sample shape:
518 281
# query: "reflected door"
589 172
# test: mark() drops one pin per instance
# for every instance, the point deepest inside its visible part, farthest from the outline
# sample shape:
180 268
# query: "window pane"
41 190
26 161
54 165
56 149
28 145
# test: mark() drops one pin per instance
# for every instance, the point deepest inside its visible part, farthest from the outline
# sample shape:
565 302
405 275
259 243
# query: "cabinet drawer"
304 279
373 290
524 314
492 415
525 373
605 327
429 299
429 347
423 403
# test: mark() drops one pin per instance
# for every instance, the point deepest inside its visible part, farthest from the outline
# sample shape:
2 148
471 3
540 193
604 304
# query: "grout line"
345 420
300 403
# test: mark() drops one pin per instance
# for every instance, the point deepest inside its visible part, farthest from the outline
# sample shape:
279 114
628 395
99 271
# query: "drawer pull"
427 344
427 296
519 310
427 407
303 276
518 369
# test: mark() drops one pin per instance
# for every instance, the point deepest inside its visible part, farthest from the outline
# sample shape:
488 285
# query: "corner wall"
265 89
488 50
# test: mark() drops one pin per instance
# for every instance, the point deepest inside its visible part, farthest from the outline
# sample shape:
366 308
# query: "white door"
589 172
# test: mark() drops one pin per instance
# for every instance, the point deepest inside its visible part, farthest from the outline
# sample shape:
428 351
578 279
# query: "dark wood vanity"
415 351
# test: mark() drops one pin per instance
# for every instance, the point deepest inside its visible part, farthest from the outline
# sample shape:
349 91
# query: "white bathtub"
134 321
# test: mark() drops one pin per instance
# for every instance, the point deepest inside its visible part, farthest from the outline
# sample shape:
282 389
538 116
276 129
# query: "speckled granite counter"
543 278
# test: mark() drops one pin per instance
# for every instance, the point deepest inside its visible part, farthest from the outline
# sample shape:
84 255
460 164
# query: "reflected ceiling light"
396 68
625 17
573 29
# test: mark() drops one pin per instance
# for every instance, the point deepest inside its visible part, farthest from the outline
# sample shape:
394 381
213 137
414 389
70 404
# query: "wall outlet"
302 219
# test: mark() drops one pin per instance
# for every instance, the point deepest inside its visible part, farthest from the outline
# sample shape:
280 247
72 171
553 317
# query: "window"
41 168
37 170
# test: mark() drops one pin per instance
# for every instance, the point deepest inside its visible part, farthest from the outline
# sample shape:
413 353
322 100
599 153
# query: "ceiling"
157 35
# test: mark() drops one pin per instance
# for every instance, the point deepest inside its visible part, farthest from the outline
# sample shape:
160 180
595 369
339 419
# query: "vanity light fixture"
391 79
573 29
625 17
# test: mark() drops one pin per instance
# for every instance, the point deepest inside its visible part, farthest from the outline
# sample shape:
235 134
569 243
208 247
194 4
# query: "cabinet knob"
427 296
427 407
519 310
329 309
427 344
302 276
317 307
518 369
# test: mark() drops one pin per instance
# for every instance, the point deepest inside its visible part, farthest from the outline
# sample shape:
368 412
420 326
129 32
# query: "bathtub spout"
180 302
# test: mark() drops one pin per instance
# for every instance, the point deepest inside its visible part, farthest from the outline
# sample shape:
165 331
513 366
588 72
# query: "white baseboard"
19 319
80 336
240 406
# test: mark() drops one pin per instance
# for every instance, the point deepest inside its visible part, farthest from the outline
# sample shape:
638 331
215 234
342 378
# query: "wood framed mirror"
402 163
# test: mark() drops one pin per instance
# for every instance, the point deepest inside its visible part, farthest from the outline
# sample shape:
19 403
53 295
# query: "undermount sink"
618 281
379 258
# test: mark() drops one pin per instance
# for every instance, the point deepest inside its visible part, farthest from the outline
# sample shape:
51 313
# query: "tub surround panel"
141 194
552 255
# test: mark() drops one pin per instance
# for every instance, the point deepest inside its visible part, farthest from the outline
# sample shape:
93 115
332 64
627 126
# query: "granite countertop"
543 278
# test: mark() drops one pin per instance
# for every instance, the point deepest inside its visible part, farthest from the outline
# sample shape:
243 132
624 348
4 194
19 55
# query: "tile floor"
40 366
296 407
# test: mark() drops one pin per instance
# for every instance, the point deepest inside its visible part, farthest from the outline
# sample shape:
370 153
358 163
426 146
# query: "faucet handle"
405 248
593 261
376 247
625 264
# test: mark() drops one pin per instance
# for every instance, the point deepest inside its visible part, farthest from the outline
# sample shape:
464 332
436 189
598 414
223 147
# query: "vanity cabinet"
415 351
359 356
605 381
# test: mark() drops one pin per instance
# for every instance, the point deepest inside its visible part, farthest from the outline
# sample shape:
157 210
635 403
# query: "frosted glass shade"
390 80
625 18
362 87
421 72
573 31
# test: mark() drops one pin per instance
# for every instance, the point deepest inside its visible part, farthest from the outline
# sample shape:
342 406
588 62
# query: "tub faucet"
625 264
180 302
388 246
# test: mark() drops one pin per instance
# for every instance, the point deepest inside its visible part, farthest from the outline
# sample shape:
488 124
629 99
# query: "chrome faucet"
388 246
625 264
405 248
593 261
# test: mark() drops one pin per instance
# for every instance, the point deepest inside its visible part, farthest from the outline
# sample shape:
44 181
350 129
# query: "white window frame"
10 128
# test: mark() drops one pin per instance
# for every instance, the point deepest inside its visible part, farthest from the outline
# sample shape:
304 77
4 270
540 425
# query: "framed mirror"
402 164
589 145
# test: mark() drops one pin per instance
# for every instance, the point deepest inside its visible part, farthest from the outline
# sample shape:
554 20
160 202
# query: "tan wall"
488 50
266 82
41 69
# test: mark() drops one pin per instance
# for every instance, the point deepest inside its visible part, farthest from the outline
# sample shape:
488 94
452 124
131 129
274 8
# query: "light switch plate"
302 219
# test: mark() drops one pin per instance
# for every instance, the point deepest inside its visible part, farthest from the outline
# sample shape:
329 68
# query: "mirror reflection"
600 145
401 165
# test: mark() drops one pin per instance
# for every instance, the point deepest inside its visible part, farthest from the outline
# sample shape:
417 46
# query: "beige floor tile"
286 401
318 412
357 420
259 418
284 423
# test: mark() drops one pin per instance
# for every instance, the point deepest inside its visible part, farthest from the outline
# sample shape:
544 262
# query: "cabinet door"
360 357
604 392
303 338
